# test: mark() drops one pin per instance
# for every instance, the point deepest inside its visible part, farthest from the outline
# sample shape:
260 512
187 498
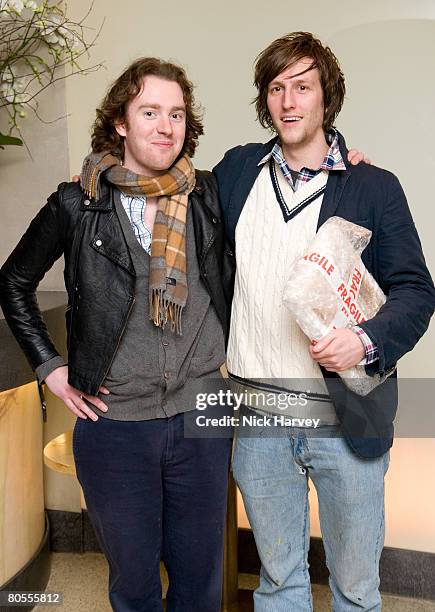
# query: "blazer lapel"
335 186
334 190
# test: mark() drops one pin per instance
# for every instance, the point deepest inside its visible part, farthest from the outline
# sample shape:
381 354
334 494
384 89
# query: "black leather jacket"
99 276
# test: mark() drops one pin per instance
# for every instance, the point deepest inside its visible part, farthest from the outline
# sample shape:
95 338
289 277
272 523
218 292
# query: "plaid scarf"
168 277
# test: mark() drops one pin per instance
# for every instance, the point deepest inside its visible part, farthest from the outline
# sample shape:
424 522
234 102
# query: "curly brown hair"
288 50
114 105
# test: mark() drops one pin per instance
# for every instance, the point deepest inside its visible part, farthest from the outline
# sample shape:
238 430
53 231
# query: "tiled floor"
83 581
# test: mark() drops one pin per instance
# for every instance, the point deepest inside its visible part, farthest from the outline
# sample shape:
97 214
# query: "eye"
275 89
303 88
177 116
149 114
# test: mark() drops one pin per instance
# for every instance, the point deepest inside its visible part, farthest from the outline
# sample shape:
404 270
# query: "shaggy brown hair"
287 51
114 105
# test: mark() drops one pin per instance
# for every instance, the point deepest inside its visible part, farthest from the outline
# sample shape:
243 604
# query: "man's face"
295 103
154 127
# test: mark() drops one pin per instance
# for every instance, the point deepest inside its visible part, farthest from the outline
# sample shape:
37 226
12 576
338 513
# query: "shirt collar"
332 160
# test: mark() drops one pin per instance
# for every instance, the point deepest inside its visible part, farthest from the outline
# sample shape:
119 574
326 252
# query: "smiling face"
154 127
295 103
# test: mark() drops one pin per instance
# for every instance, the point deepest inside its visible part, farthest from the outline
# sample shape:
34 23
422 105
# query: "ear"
121 129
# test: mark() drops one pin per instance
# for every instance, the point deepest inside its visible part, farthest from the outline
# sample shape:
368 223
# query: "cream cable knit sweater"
265 341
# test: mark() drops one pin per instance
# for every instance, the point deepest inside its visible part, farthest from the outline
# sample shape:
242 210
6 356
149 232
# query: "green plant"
39 45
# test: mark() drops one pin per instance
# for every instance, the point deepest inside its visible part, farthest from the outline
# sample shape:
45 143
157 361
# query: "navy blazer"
372 197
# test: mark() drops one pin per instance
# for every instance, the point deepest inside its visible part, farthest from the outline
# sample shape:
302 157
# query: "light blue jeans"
273 475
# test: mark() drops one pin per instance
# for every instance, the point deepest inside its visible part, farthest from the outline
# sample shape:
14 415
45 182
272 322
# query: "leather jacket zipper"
75 254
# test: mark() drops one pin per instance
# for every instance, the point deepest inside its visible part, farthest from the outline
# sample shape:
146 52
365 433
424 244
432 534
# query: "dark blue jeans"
151 493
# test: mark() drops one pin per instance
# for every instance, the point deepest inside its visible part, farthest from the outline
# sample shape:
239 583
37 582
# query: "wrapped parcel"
329 287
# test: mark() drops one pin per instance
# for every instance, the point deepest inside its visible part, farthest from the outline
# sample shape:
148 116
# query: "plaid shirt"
134 206
370 348
332 161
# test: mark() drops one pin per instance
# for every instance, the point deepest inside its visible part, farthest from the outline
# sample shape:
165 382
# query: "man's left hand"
339 350
355 157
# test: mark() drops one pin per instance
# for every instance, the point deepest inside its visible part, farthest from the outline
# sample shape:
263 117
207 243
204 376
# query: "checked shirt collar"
332 161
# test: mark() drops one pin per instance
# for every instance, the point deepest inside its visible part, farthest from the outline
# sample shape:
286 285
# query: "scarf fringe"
90 180
163 310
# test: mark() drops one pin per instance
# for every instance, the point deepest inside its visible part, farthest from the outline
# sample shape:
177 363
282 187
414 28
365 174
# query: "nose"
164 125
288 99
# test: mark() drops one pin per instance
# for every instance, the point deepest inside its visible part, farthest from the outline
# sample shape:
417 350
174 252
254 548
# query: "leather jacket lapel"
110 240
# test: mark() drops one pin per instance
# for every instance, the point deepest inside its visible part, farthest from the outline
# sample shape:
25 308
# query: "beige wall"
387 51
217 43
25 183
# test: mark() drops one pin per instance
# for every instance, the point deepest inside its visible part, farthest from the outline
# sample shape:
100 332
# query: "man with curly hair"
146 319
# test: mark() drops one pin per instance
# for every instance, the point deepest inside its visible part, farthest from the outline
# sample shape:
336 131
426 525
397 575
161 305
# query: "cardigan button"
98 242
86 202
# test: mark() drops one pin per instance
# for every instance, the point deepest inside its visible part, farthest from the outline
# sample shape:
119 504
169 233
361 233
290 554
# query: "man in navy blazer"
274 197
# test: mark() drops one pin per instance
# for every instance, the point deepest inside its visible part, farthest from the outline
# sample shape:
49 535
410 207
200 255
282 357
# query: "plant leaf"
9 140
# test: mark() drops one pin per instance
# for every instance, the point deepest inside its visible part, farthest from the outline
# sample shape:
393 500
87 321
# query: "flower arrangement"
39 44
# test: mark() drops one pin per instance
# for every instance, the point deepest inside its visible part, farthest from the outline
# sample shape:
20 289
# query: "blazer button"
86 202
214 220
98 242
